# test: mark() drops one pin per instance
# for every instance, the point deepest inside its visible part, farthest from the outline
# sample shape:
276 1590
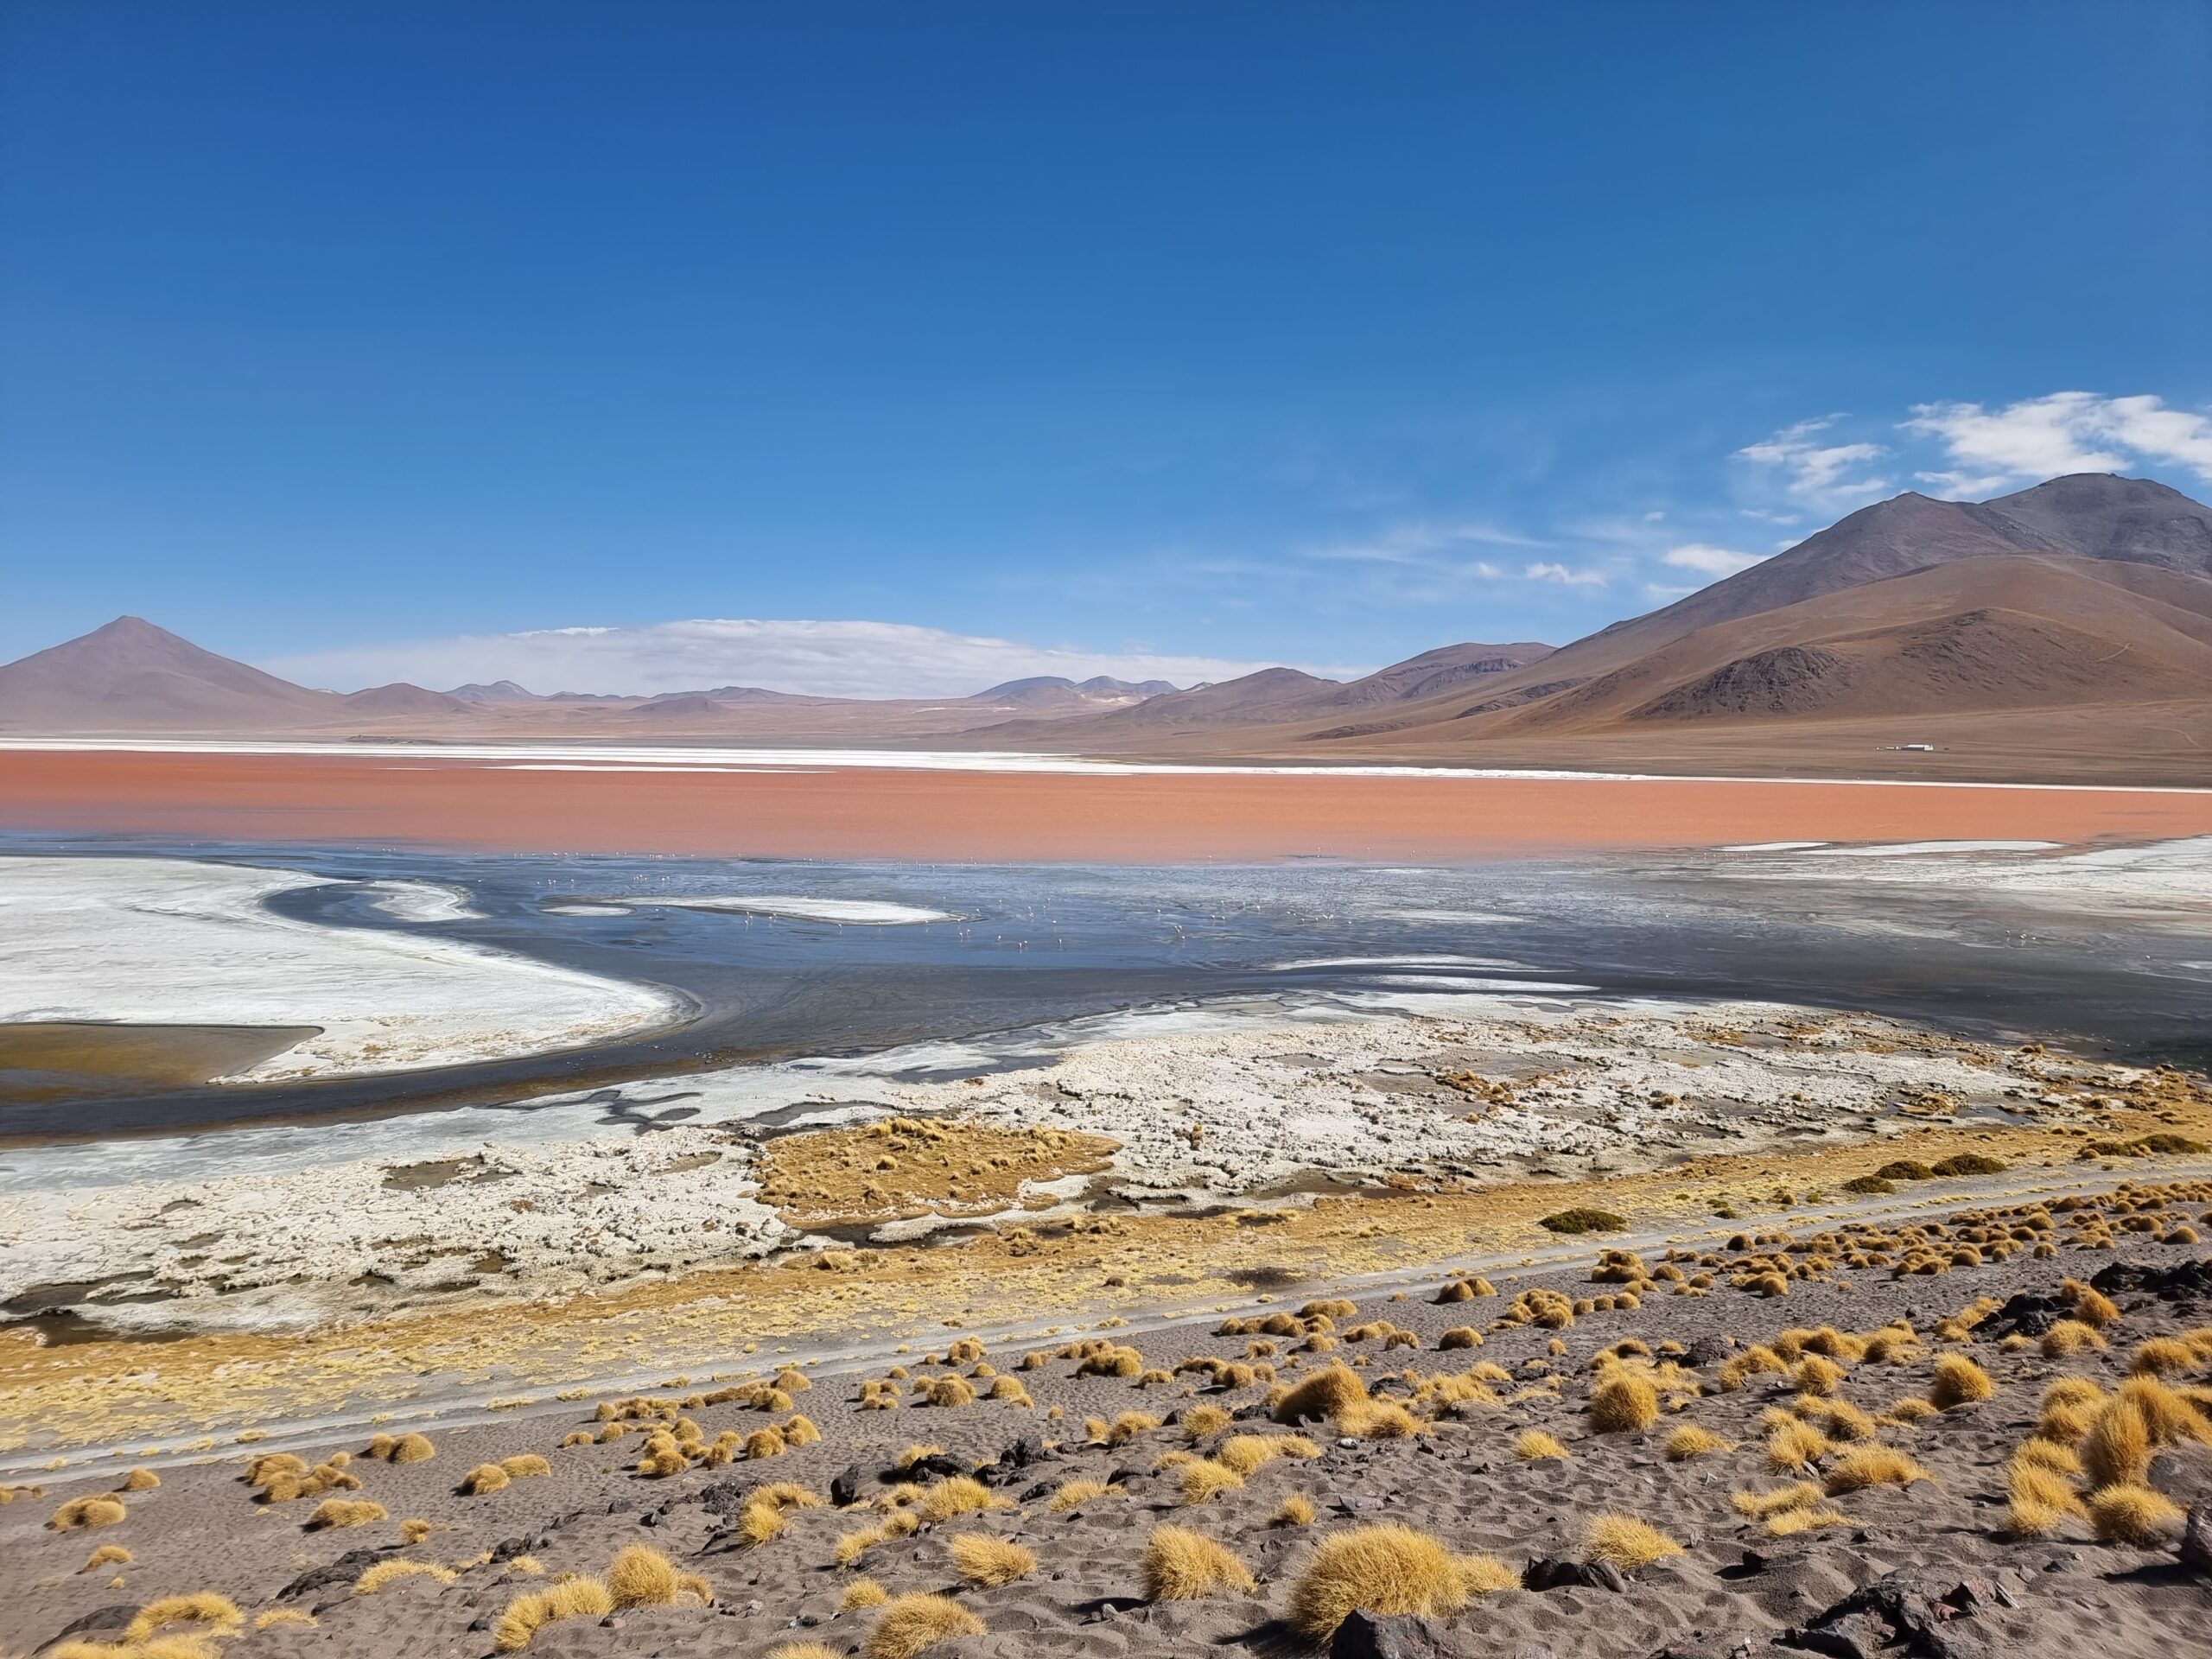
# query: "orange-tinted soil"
983 817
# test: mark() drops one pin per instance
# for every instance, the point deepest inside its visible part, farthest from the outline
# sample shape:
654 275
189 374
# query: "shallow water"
1036 945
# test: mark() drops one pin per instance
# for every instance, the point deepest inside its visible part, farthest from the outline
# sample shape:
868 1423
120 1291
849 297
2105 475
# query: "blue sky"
353 339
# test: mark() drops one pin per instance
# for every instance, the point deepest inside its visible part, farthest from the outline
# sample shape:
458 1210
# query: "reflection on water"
1042 944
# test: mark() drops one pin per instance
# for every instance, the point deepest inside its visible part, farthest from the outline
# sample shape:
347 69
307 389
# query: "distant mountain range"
2063 630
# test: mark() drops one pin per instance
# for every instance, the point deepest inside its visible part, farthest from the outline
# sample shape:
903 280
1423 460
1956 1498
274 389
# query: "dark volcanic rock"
1898 1616
2196 1541
1375 1636
2185 1281
99 1622
346 1568
1707 1350
845 1486
1548 1572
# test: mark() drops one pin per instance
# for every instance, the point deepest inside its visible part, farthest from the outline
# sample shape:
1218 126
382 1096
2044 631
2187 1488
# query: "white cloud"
1710 561
1546 571
844 660
2065 432
1419 541
1829 474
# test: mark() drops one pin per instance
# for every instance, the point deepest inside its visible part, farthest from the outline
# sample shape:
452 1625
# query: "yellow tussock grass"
1130 1424
1248 1453
914 1453
910 1624
1789 1522
1074 1494
1872 1466
385 1572
1690 1441
1817 1374
275 1617
2129 1513
646 1578
766 1443
2090 1306
2037 1498
1180 1565
1910 1410
1626 1542
1204 1479
1383 1569
2049 1454
524 1466
988 1562
1534 1445
484 1479
1328 1394
1624 1401
803 1650
162 1647
1297 1510
141 1480
2162 1356
863 1593
2070 1336
957 1495
1201 1421
1958 1382
1794 1445
2117 1450
88 1513
1801 1495
1373 1420
414 1529
106 1555
218 1614
335 1512
533 1610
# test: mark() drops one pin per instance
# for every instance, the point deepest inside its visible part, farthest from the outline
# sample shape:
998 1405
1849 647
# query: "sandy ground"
1152 816
1733 1585
182 942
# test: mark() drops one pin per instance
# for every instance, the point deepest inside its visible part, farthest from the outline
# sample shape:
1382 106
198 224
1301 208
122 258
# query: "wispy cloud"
2064 432
1421 541
1565 574
1826 474
1708 561
844 660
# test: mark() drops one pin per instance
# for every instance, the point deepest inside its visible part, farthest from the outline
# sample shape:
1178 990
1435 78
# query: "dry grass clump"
761 1520
1246 1453
1180 1565
335 1512
1817 1374
1626 1542
384 1572
909 1624
863 1593
1201 1421
89 1514
218 1614
1690 1441
271 1619
404 1448
1296 1510
958 1495
2090 1306
2070 1407
1007 1389
1386 1569
1873 1466
2038 1498
1958 1382
2162 1356
947 1391
1130 1424
1327 1395
106 1555
533 1610
1752 1361
1379 1419
2126 1513
1204 1479
2070 1336
1793 1444
1534 1445
1623 1401
803 1650
162 1647
141 1480
1789 1522
484 1479
1800 1494
1073 1494
988 1562
646 1578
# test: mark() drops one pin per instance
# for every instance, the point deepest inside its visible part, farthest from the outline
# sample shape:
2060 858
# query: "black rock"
2029 1314
845 1486
2196 1541
100 1621
1029 1449
2185 1281
725 1497
1550 1573
650 1518
1707 1350
1897 1615
936 1466
1399 1635
346 1568
507 1548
